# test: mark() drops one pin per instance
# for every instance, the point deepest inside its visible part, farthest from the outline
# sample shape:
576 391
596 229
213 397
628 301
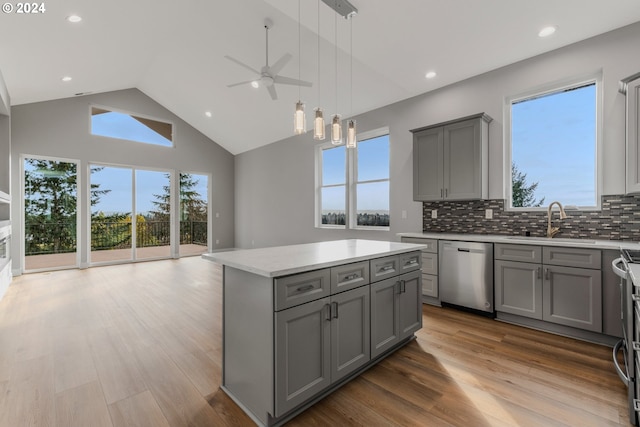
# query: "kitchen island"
301 320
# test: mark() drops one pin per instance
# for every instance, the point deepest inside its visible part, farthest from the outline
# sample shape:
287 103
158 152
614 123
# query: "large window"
554 147
353 185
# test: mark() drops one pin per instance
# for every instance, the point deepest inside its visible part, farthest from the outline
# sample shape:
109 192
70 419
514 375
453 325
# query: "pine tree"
523 194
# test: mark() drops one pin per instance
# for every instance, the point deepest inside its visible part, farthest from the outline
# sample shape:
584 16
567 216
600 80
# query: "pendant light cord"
299 50
351 66
318 53
335 19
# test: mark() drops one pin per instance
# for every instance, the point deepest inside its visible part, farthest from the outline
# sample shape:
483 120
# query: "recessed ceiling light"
547 31
74 18
66 79
430 74
255 84
208 113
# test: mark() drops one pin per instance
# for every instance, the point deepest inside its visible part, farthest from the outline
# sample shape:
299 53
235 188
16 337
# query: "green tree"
522 193
192 207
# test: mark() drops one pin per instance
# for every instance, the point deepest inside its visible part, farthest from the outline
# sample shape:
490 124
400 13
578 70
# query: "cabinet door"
462 160
303 353
410 303
430 285
518 288
385 329
427 165
633 137
573 297
350 336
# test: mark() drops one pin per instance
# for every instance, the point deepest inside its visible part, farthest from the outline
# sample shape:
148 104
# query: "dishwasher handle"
620 272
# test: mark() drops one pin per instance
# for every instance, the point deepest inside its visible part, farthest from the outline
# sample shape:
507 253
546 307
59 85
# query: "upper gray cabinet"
450 160
631 87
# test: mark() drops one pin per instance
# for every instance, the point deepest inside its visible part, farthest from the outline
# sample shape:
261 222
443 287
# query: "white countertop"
524 240
285 260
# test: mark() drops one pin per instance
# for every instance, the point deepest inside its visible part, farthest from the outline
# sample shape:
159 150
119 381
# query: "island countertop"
285 260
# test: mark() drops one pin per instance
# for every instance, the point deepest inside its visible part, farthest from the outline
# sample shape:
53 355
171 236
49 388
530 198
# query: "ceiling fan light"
336 130
351 134
255 84
318 125
299 120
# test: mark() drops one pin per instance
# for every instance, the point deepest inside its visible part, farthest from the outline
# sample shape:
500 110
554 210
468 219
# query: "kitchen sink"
547 239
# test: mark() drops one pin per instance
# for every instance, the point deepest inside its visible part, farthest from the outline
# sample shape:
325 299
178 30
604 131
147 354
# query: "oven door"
627 372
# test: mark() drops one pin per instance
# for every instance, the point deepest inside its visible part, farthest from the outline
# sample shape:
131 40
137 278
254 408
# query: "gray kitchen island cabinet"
450 160
297 319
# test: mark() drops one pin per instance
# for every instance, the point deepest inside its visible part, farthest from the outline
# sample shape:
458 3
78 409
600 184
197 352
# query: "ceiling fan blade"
280 63
241 83
272 92
242 64
289 81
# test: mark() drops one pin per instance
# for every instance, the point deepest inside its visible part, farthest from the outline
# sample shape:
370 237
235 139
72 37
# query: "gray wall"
60 129
275 184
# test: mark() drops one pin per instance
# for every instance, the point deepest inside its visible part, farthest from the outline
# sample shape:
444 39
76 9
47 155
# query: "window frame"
132 114
543 90
350 183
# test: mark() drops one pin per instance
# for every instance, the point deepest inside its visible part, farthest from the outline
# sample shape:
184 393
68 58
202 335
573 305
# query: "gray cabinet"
450 160
631 87
429 268
318 343
396 311
518 280
554 284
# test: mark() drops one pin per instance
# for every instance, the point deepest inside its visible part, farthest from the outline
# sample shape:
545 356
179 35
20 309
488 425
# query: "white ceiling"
174 52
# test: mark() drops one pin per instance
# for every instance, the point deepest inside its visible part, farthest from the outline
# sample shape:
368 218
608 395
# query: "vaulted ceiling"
174 51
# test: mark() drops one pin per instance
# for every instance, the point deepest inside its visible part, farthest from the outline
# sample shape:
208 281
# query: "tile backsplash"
618 219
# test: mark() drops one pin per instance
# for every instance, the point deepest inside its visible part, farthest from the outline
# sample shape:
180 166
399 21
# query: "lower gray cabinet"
396 311
573 297
518 288
318 343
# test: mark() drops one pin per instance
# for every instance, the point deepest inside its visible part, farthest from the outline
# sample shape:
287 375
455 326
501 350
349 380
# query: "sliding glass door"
130 214
194 214
50 214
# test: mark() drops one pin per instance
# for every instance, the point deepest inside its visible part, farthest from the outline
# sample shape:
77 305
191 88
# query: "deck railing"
61 237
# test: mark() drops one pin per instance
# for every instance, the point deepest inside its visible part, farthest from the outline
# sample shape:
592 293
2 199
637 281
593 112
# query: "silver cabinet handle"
350 277
403 287
547 274
305 288
539 272
327 309
412 261
335 313
446 193
441 193
386 268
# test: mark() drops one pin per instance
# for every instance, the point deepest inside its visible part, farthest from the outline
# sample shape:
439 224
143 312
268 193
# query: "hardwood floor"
140 345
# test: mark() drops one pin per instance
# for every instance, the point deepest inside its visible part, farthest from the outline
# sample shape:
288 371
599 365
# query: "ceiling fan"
268 76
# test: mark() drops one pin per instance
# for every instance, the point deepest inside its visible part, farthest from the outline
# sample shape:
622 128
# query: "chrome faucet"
552 231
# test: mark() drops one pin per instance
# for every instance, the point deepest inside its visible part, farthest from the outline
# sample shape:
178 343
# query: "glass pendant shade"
351 134
318 125
336 130
299 120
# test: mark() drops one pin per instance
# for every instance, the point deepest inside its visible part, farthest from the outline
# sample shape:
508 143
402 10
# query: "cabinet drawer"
432 244
301 288
523 253
429 263
572 257
381 268
350 276
410 261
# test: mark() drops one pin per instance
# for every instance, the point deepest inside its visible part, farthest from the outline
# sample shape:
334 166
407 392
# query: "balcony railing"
54 238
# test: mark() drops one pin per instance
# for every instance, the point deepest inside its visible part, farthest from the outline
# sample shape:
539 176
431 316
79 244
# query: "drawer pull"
635 345
335 311
386 268
636 405
305 288
350 277
635 297
412 261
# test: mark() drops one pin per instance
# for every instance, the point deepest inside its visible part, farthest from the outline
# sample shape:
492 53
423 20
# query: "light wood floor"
139 345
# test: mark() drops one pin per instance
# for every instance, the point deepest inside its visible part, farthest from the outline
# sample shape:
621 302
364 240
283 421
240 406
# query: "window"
553 147
357 179
114 124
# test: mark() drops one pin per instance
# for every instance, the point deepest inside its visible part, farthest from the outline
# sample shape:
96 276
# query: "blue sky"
553 142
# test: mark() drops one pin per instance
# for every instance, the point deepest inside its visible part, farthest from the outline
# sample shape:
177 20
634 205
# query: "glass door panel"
111 210
194 206
50 216
153 214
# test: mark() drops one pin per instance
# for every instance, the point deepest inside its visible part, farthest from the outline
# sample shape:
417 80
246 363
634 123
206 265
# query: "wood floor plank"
72 362
83 406
140 410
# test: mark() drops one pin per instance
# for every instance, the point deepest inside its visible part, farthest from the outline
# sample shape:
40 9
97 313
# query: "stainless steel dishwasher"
466 274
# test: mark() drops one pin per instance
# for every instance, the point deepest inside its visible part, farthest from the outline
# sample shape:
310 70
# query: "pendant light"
336 123
318 122
351 124
299 119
